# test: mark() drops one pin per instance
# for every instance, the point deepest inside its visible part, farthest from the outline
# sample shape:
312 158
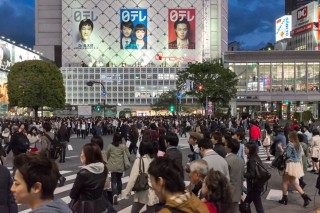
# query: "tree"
165 100
218 84
36 84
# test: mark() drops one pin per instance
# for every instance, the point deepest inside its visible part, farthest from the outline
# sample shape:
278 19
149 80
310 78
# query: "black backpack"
23 143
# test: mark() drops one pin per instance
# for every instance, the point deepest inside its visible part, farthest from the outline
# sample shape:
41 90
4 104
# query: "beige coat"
147 197
115 157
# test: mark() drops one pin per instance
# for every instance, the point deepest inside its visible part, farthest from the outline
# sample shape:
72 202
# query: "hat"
196 135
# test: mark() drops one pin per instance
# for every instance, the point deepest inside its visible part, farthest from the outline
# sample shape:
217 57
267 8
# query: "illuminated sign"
283 27
107 32
305 15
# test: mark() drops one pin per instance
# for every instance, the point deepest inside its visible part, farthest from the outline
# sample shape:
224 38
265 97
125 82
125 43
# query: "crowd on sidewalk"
221 158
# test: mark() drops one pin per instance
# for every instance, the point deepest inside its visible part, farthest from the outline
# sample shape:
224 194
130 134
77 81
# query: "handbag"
141 183
74 205
126 161
244 207
262 174
279 162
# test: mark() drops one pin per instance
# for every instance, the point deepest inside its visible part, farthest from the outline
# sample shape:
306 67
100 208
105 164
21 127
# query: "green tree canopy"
218 83
165 100
35 84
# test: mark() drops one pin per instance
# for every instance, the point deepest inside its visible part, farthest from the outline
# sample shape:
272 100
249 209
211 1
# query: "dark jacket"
250 175
88 186
174 154
14 143
220 149
7 202
63 136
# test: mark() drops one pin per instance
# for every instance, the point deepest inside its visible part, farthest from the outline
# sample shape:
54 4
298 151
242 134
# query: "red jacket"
255 132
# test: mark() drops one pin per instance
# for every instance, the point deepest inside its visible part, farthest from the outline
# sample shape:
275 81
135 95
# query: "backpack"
23 143
54 142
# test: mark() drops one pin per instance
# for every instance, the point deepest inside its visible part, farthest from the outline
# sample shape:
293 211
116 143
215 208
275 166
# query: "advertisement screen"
283 27
133 29
181 28
305 15
109 33
84 35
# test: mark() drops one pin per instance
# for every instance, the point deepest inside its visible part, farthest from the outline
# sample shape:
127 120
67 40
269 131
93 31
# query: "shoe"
284 200
313 170
306 199
62 181
268 158
115 199
316 173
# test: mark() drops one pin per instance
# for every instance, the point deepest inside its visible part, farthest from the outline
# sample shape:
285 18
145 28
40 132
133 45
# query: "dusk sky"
251 22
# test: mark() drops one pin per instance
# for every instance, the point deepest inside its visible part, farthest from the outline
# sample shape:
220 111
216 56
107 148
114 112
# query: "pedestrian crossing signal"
171 108
98 108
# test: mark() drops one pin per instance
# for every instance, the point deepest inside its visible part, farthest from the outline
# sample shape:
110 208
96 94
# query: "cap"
196 135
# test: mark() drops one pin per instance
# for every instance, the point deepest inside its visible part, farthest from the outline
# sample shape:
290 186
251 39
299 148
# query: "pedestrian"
293 170
216 192
254 188
116 152
172 151
236 171
64 138
197 172
88 186
34 183
145 197
7 201
166 178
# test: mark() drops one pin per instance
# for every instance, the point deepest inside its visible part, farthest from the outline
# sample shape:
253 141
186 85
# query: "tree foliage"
165 100
35 84
218 83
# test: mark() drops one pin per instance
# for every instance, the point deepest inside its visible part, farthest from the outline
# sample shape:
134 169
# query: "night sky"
251 22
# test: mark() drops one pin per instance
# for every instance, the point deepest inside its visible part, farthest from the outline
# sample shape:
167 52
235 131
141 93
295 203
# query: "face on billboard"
133 29
181 29
85 32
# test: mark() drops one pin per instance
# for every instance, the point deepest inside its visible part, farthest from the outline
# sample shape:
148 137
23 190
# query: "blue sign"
180 95
104 93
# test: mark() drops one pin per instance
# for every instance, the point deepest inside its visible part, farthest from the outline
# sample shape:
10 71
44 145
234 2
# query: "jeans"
255 196
116 183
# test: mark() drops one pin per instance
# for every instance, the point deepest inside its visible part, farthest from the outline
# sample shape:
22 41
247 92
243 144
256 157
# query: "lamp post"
104 92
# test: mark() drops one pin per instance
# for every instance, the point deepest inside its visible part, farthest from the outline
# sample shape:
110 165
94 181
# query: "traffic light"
171 108
200 87
98 108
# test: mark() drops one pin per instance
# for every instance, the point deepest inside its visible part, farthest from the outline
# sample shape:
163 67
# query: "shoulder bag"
126 161
279 163
141 183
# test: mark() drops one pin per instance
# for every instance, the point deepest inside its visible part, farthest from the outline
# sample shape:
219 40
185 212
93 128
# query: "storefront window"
240 70
301 78
264 78
288 77
276 73
313 76
252 77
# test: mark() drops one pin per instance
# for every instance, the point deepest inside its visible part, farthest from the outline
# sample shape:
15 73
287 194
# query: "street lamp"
104 92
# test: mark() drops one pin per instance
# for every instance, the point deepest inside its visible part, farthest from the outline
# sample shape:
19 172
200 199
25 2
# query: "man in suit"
236 170
172 151
182 29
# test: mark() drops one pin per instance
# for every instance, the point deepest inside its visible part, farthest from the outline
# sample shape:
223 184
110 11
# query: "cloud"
252 23
18 24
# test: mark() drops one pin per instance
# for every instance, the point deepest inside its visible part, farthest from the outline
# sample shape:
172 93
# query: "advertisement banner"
84 31
181 29
305 15
133 29
283 27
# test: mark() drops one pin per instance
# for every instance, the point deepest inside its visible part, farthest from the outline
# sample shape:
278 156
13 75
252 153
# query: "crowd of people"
221 158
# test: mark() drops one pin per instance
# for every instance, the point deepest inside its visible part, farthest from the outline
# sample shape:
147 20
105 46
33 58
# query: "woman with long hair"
216 192
146 197
254 188
89 183
133 137
116 152
293 170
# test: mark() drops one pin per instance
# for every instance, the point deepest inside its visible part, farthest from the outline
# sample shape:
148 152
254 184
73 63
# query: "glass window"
288 77
313 76
301 78
264 79
252 77
240 70
276 73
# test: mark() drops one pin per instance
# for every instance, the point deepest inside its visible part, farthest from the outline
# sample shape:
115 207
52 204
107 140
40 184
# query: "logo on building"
302 13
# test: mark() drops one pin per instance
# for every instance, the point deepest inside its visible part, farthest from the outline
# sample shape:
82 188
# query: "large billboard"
126 32
10 54
305 15
283 27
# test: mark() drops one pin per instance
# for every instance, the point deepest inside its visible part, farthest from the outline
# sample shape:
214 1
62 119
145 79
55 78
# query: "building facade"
276 81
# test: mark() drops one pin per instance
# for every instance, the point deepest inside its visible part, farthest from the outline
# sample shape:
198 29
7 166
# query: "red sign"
302 13
302 29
